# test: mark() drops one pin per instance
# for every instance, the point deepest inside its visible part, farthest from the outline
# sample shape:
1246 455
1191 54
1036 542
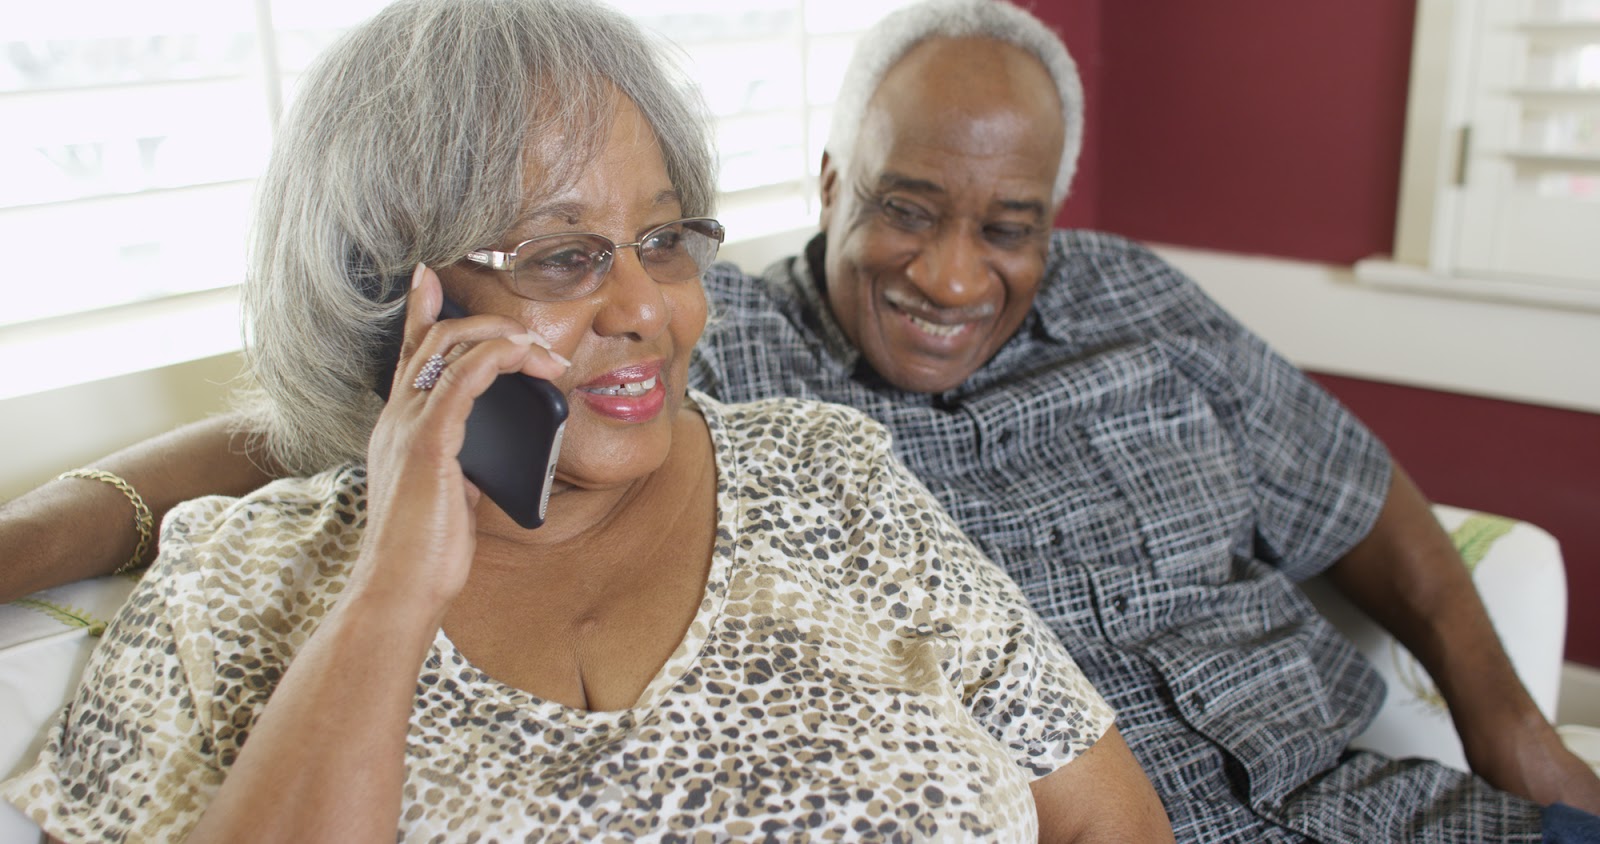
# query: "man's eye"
1008 234
905 215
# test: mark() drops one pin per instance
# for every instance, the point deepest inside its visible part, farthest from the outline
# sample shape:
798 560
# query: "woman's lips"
629 394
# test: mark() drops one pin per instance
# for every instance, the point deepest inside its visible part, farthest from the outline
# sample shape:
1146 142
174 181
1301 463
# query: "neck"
585 610
596 541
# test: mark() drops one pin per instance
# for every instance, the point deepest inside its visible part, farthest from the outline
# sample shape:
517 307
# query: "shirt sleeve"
1011 673
1318 476
129 758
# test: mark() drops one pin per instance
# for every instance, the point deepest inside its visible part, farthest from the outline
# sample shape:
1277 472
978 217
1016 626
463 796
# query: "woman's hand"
421 530
326 759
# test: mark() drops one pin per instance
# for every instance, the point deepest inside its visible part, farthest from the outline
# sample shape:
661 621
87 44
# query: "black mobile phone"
513 432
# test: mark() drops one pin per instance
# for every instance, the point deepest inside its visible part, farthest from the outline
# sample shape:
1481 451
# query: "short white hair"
886 43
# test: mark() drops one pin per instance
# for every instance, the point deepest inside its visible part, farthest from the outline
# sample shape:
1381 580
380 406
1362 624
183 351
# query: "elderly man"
1152 474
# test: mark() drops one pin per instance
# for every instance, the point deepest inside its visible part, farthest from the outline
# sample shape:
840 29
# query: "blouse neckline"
445 656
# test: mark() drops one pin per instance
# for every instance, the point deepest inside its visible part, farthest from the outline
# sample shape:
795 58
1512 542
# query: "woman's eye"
559 261
663 244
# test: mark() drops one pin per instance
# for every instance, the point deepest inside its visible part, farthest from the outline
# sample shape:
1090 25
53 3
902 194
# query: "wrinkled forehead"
974 97
964 111
557 151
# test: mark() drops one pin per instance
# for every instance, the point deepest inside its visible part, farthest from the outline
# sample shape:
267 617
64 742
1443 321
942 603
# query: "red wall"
1255 125
1265 127
1539 464
1079 23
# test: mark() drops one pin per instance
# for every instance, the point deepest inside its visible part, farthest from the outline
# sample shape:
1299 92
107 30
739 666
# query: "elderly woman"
737 622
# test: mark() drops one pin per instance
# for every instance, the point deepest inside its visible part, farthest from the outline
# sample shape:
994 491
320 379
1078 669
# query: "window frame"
1441 101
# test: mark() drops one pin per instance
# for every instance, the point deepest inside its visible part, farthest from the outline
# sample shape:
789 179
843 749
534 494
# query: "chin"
609 460
925 382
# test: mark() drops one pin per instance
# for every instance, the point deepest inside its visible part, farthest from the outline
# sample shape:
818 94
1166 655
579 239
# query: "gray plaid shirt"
1156 479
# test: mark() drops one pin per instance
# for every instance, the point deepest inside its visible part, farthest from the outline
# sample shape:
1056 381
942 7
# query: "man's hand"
1530 759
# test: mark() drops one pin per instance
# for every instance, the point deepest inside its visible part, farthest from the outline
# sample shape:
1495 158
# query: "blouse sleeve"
1011 672
130 756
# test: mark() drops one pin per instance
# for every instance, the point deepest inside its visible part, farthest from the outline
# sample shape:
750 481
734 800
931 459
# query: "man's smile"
941 323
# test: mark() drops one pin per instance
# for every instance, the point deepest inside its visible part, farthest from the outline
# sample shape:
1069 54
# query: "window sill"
62 352
1323 318
1384 273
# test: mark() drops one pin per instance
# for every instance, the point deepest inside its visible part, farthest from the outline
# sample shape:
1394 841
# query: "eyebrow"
572 212
890 180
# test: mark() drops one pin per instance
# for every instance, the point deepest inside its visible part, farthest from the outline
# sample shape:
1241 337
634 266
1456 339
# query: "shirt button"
1199 701
1004 437
1056 537
1120 603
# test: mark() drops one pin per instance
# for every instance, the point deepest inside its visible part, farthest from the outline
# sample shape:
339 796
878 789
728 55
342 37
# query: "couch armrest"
1518 570
45 640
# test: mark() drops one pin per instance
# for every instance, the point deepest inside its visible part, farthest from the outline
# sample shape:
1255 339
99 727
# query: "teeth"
934 328
630 389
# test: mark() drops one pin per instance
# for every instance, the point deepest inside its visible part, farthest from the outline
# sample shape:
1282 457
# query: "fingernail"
533 339
416 275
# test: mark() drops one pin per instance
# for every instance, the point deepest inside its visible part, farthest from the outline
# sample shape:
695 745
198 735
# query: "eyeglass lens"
567 266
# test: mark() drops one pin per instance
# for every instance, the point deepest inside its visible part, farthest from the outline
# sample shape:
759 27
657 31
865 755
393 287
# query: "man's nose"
950 270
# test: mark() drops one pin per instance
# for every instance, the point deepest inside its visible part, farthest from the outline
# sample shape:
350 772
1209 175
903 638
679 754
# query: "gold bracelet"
143 521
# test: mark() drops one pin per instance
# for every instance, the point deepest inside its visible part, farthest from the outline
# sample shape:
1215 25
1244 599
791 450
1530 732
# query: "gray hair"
894 36
409 142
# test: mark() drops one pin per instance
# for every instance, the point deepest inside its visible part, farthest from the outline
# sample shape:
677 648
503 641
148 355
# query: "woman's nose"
634 303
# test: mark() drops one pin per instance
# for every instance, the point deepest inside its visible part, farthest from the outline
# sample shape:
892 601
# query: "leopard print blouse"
856 671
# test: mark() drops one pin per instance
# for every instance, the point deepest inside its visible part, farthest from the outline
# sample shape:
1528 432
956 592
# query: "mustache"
919 306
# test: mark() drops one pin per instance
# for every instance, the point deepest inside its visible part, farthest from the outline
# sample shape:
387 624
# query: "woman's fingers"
422 506
460 371
427 335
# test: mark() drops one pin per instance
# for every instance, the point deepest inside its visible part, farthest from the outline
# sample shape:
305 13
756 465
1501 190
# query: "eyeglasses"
570 265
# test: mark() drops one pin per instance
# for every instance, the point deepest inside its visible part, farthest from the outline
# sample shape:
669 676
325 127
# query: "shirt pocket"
1180 475
1263 700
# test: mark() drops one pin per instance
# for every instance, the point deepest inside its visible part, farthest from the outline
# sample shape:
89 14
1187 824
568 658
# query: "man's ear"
830 189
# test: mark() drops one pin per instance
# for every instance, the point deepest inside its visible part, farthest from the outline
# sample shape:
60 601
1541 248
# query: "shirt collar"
803 276
1049 319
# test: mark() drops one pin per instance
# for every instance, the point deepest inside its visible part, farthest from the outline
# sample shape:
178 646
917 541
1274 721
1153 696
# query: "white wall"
48 432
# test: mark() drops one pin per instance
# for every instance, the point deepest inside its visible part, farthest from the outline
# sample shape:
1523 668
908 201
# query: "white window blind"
1530 177
1500 191
133 131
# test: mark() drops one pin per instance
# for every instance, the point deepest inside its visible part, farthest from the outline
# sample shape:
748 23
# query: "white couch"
45 640
1517 567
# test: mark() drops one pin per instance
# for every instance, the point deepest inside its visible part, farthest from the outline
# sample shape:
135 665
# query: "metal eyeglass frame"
506 261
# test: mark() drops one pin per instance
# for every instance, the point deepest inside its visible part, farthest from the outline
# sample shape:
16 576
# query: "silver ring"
429 376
